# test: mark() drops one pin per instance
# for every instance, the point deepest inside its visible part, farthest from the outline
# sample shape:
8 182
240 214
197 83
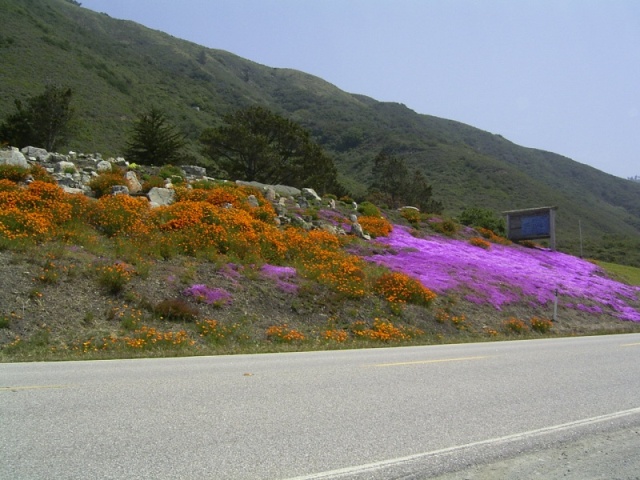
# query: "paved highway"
413 412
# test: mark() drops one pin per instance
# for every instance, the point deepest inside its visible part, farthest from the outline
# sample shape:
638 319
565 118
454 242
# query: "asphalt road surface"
558 408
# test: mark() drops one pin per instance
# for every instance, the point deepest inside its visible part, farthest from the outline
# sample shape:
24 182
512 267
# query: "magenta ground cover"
506 274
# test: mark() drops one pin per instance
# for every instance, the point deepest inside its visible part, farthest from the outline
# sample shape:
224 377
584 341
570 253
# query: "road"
413 412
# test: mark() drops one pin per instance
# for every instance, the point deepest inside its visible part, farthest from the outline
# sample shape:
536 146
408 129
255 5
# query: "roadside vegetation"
213 273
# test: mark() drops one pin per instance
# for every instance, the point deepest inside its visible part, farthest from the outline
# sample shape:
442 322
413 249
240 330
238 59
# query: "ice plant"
210 296
281 275
505 274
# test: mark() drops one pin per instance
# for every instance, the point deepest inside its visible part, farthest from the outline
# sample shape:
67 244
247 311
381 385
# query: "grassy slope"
119 68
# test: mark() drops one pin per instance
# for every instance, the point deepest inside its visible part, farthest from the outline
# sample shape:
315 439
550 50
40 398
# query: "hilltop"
118 69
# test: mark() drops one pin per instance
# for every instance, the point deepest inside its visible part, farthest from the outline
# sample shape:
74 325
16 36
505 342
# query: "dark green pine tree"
153 140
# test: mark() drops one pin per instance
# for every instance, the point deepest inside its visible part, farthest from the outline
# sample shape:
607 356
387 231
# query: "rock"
73 191
120 190
356 229
282 190
311 194
13 157
134 184
104 166
270 194
161 196
194 170
353 218
332 204
64 167
39 154
253 201
299 221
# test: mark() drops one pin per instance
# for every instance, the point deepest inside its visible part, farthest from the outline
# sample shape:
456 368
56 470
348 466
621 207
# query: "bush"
400 288
481 217
480 242
368 209
541 325
103 183
375 226
515 325
175 309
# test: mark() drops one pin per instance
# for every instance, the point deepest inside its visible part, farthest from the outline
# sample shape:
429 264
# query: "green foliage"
153 140
42 121
466 166
484 218
171 171
368 209
395 186
256 144
102 184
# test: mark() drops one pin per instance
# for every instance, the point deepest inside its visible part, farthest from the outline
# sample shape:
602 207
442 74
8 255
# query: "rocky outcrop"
13 157
74 172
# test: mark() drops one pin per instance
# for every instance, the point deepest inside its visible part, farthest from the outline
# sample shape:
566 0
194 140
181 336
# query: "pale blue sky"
558 75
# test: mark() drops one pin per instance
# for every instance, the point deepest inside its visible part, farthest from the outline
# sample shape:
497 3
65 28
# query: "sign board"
532 224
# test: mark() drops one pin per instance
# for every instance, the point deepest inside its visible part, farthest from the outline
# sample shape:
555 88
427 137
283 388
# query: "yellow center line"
630 344
30 387
423 362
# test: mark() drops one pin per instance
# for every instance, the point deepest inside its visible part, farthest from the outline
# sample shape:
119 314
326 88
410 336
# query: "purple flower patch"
211 296
504 274
281 275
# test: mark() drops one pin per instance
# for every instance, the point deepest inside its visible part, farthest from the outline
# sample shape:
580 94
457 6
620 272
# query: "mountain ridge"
118 68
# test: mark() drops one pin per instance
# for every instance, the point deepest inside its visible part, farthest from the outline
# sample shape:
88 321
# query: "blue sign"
537 225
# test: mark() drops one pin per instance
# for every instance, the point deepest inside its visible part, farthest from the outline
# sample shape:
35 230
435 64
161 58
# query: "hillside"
118 69
217 270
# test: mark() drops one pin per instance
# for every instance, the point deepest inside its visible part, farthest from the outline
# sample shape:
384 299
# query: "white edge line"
369 467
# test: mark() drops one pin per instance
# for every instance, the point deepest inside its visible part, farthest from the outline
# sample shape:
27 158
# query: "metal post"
580 229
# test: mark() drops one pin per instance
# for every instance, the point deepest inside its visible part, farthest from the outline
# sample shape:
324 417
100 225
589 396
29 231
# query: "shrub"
368 209
284 334
541 325
121 215
154 181
411 215
103 183
375 226
385 331
336 335
13 173
480 242
216 333
447 226
175 309
400 288
115 277
172 172
515 325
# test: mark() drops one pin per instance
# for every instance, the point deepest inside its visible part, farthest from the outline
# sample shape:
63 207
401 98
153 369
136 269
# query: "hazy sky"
558 75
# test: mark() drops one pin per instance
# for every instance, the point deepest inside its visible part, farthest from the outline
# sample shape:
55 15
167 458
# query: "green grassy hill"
118 69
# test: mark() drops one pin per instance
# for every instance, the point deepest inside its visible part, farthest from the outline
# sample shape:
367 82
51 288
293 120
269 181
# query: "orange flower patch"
375 226
400 288
284 334
385 331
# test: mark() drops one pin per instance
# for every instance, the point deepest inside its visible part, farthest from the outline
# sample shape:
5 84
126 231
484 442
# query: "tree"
256 144
43 120
485 218
393 184
153 140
